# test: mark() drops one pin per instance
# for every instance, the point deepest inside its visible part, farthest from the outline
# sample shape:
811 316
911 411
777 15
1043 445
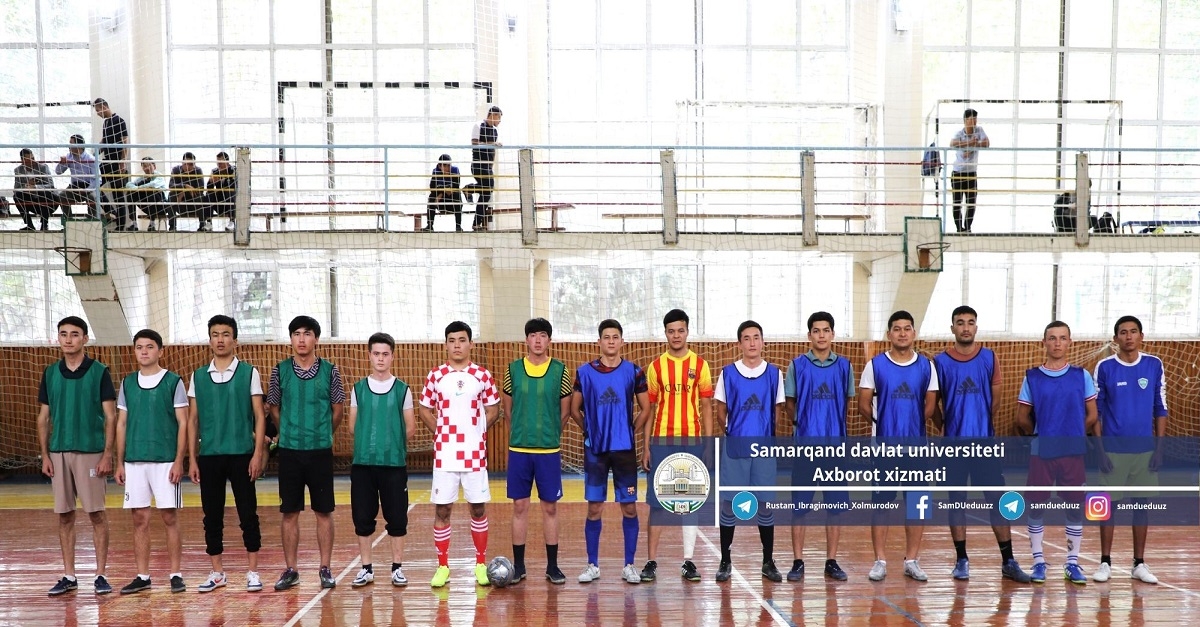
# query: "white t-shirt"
383 387
966 159
223 376
147 382
749 373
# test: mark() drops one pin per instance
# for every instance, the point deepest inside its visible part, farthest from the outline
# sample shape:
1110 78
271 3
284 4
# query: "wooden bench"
846 217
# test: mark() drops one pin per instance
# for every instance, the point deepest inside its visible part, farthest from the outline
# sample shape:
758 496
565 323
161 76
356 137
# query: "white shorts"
474 485
146 479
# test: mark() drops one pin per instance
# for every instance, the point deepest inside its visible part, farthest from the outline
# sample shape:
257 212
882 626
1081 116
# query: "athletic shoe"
177 584
253 582
102 585
688 571
797 571
65 585
835 572
137 585
1142 573
724 570
481 577
518 574
440 576
589 574
650 571
556 576
912 568
289 579
363 578
1074 574
327 580
962 570
1102 574
215 580
769 571
630 574
878 571
398 578
1039 573
1012 570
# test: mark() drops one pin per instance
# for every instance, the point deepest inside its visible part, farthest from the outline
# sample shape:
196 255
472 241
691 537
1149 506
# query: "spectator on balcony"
444 195
187 190
114 154
220 194
33 190
84 179
149 193
485 138
964 178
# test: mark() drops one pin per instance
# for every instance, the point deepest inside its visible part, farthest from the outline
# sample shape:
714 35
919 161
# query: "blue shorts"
596 466
757 472
802 474
524 469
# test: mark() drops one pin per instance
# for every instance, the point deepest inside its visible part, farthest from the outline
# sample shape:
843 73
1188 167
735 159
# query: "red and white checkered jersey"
460 396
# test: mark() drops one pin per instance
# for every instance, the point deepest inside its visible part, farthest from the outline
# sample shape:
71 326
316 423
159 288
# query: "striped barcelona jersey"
676 385
459 398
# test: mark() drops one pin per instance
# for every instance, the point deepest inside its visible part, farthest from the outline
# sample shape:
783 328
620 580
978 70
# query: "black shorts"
305 469
903 463
802 474
373 486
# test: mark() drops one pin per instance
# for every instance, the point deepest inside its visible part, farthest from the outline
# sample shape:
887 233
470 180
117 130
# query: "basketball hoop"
79 260
930 253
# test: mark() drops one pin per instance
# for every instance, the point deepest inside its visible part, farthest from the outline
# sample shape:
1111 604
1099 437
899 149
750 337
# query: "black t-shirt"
482 152
107 391
115 132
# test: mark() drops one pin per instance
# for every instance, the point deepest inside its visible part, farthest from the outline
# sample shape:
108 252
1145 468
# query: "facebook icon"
918 505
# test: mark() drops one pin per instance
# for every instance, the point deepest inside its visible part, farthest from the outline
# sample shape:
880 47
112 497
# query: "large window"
35 294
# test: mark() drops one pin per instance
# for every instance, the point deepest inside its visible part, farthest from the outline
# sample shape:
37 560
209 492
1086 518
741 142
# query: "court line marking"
903 612
737 576
345 571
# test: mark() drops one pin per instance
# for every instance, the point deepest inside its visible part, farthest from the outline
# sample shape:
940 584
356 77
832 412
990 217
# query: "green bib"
535 418
305 416
224 412
76 412
151 430
380 438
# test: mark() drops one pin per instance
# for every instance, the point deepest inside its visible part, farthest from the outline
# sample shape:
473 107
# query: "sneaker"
519 574
962 570
912 568
215 580
327 580
481 577
137 585
253 582
1074 574
835 572
797 571
1102 574
398 578
630 574
363 578
724 570
1142 573
288 579
1012 570
556 576
650 571
590 574
65 585
688 571
177 584
230 226
1039 573
878 571
102 585
440 576
770 571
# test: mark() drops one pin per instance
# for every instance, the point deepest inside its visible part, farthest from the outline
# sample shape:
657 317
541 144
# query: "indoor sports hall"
397 165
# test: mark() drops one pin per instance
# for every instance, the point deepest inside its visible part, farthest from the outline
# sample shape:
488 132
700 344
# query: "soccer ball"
500 571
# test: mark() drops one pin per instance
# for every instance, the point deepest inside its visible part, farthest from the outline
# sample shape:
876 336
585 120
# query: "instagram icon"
1097 506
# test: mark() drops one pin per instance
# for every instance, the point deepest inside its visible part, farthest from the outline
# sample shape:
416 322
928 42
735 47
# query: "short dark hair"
970 113
300 323
609 323
187 156
962 310
381 338
148 334
99 101
457 326
223 155
74 321
749 324
150 159
495 109
223 320
820 316
900 315
445 158
539 325
1057 324
25 152
76 139
1123 319
676 315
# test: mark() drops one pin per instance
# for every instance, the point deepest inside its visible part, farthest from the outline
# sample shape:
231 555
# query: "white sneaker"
592 573
230 226
1142 573
217 580
631 574
912 568
253 583
398 578
1103 574
878 571
364 577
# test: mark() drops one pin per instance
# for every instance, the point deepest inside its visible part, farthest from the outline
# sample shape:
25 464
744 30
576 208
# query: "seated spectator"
220 194
149 192
444 195
85 179
187 189
33 191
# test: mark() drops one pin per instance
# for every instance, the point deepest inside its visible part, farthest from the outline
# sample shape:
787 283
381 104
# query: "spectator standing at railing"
84 179
33 190
187 190
444 195
113 170
964 178
149 192
222 189
485 138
